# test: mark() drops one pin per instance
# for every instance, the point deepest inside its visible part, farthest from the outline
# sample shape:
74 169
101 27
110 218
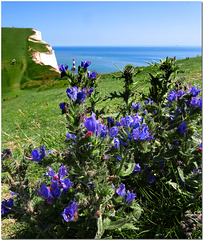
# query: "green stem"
122 162
122 210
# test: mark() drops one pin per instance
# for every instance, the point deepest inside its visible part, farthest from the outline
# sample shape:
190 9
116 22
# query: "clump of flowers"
58 184
5 204
121 192
38 154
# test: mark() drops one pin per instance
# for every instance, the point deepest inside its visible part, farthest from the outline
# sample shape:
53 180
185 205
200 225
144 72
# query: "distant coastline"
103 58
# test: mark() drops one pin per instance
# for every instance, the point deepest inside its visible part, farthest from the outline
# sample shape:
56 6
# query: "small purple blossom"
62 105
62 68
117 143
187 103
85 64
90 185
135 106
72 93
118 124
38 156
66 184
5 204
119 158
121 191
13 193
137 167
74 205
91 123
62 172
55 193
172 96
44 191
130 196
194 91
151 179
91 75
9 202
178 110
182 128
68 214
113 131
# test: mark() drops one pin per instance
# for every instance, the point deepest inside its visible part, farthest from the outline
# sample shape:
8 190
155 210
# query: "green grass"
28 115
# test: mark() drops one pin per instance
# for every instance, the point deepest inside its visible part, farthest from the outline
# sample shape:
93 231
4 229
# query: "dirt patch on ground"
10 145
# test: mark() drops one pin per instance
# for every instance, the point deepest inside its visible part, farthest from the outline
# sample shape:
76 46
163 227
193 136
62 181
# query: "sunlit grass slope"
15 45
32 115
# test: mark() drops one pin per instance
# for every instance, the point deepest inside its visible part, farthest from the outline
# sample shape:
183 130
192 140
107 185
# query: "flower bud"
56 177
89 134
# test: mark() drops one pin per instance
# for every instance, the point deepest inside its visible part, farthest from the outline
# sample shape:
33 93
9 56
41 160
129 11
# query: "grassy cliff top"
25 71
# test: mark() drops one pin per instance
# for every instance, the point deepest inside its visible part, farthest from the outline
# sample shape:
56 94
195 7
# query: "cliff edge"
43 58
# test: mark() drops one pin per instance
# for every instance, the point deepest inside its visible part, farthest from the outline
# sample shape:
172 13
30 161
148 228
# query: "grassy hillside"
24 73
34 118
31 115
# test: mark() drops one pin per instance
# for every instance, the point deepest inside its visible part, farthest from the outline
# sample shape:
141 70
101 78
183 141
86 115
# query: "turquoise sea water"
103 58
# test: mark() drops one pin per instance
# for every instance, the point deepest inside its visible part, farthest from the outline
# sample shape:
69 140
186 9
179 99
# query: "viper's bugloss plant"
112 172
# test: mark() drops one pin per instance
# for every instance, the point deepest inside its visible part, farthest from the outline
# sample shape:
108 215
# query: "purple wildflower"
55 193
72 93
121 191
62 68
136 106
90 185
180 93
81 96
194 91
4 205
85 64
74 205
62 105
66 184
113 132
38 156
44 191
172 96
117 143
137 167
151 179
68 214
13 193
118 124
62 172
130 196
182 128
9 202
91 75
119 158
91 123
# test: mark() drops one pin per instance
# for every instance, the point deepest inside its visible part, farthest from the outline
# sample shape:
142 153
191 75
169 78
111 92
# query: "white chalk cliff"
43 58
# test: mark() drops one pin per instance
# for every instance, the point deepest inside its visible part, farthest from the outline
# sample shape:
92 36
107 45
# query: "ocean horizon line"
199 46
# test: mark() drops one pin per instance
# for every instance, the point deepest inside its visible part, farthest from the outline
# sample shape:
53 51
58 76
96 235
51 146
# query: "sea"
105 59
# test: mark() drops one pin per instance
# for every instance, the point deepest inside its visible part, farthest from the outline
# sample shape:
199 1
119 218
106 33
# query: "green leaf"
129 170
180 171
192 183
117 224
129 226
137 211
102 225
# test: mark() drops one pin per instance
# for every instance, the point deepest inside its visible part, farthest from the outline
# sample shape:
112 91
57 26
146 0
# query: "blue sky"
108 23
